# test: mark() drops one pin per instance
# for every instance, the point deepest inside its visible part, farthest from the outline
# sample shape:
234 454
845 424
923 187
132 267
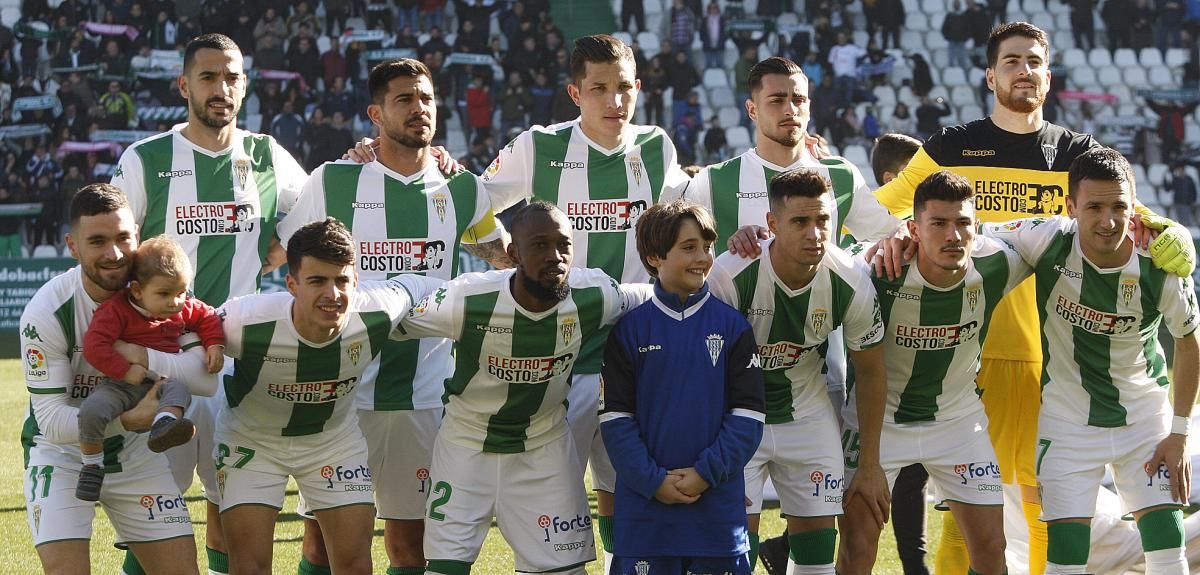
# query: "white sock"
163 415
94 459
1056 569
608 557
793 569
1166 562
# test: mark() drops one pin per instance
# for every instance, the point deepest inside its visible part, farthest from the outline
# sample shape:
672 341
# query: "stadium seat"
916 21
624 37
970 113
1129 109
730 116
1043 20
905 94
738 137
721 97
1062 21
936 19
323 43
1135 77
975 77
1150 57
1191 132
1162 77
1083 78
647 41
909 6
939 59
714 78
962 96
1099 58
1157 173
702 98
954 77
1109 76
911 40
1125 57
861 38
1166 198
1139 175
885 95
938 92
1058 7
654 7
1074 58
935 41
928 6
786 19
1176 57
1121 91
45 251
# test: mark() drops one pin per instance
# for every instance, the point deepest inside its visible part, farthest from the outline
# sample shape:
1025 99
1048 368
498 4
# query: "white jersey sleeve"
863 322
509 178
484 226
720 278
49 375
868 219
129 177
676 182
231 323
1178 306
1030 237
289 177
309 207
698 191
629 296
438 314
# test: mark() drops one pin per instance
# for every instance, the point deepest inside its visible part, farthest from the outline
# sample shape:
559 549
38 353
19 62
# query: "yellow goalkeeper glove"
1172 251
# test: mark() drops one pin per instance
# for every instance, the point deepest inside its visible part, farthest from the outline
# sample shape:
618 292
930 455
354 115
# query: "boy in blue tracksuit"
682 409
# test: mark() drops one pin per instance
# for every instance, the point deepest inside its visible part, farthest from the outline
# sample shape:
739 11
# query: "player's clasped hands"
668 491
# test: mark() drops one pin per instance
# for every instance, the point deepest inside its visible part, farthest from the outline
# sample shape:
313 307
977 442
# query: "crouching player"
1104 384
682 411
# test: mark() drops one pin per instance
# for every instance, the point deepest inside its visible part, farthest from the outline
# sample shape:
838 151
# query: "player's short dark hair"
1099 163
96 199
772 65
800 182
944 186
1008 30
384 72
658 228
161 256
213 40
526 211
890 152
597 49
327 240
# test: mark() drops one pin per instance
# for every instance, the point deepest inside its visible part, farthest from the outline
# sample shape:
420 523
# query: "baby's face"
162 296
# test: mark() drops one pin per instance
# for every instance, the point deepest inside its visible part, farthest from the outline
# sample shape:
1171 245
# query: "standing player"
405 217
795 294
1013 158
198 183
937 312
1100 302
504 447
139 497
596 169
298 356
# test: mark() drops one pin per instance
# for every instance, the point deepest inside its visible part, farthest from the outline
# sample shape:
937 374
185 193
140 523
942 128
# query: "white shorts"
804 461
583 417
537 497
1071 459
399 452
256 470
957 454
194 458
142 503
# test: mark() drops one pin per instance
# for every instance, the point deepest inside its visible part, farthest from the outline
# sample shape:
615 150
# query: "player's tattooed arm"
492 252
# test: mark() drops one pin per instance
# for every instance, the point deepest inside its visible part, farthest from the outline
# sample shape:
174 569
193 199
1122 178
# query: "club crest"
714 342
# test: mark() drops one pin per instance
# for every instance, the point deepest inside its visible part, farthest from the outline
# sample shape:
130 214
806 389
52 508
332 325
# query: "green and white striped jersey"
284 385
1102 364
934 335
59 378
513 366
736 192
791 326
602 191
221 207
400 224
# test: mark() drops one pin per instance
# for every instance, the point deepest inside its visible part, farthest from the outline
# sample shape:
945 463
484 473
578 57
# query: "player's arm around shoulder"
308 207
440 312
1029 237
509 178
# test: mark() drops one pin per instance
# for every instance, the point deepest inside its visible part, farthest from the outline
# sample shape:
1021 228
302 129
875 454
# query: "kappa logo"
31 332
978 153
164 174
755 361
715 343
566 165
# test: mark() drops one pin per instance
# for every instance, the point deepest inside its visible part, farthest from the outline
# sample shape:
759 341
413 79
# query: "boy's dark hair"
890 152
213 40
385 72
597 49
1100 163
658 228
161 256
1008 30
327 240
96 199
945 186
800 182
524 212
772 65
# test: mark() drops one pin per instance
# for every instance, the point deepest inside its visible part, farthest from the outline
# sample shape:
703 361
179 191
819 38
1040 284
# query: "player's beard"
400 137
555 293
1021 105
108 283
200 109
786 139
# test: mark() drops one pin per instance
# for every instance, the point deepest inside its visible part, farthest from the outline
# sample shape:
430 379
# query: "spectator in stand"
338 100
288 129
684 136
435 43
72 121
470 39
318 140
336 12
1143 24
477 161
683 78
269 54
10 226
998 9
681 26
46 225
979 25
654 83
632 11
741 80
843 58
1184 189
340 136
1083 23
138 17
712 36
31 47
510 23
691 106
515 103
922 80
1171 14
800 46
902 121
478 13
1171 117
929 116
542 94
333 63
71 182
433 14
871 15
271 25
525 59
163 34
119 113
243 30
479 108
408 14
406 40
847 130
890 17
824 106
77 52
813 69
302 58
956 31
715 144
113 61
1119 17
